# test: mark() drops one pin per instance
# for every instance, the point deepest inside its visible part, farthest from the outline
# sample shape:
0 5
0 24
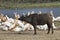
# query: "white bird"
28 13
51 13
54 27
44 27
32 12
28 27
39 12
57 18
4 27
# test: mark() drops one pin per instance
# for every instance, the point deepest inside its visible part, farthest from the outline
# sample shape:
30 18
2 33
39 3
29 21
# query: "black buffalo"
38 19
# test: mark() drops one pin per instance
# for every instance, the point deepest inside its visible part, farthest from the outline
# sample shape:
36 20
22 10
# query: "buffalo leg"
35 30
52 29
48 29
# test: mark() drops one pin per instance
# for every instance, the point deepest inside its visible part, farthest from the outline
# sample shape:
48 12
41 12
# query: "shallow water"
10 12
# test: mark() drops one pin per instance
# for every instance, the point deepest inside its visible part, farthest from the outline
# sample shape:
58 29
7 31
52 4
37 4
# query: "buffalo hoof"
19 33
48 33
35 33
52 32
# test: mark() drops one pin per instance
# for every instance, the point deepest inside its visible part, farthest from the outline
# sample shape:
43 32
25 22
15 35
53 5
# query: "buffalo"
39 19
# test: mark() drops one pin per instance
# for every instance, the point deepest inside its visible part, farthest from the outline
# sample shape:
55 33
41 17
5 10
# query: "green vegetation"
11 5
29 1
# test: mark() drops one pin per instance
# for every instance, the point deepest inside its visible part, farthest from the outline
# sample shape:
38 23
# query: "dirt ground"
28 35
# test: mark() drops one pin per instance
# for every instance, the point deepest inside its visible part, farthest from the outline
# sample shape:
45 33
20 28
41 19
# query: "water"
10 12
